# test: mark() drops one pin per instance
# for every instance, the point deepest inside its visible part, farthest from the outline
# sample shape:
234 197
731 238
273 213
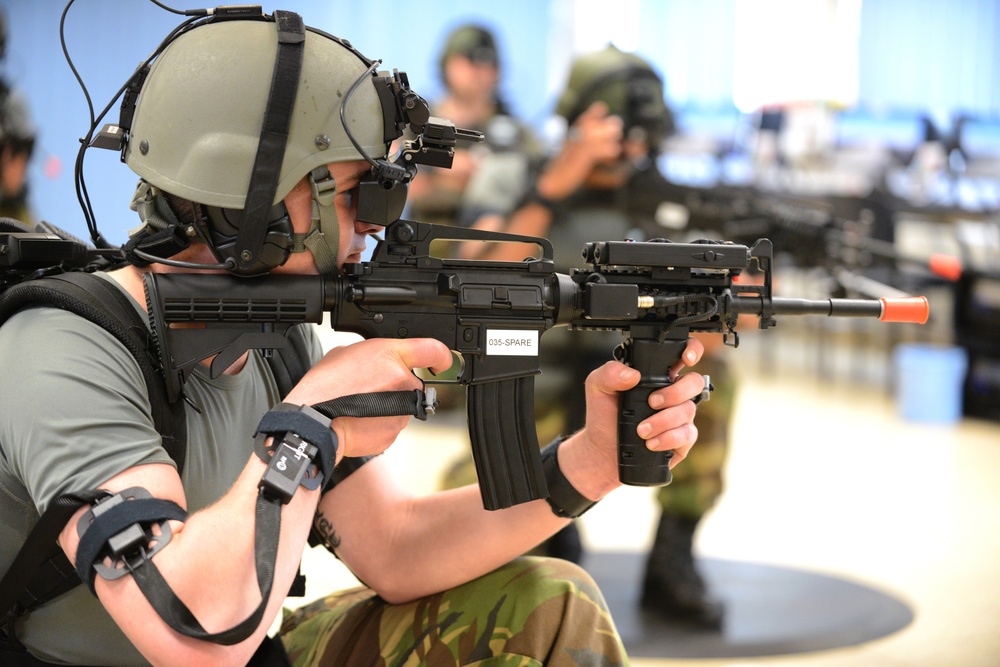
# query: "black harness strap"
105 305
273 138
38 562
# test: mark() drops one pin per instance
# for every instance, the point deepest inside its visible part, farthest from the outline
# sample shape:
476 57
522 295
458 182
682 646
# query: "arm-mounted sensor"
303 451
122 532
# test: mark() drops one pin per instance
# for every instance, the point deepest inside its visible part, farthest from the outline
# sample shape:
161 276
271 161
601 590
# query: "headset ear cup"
277 243
221 227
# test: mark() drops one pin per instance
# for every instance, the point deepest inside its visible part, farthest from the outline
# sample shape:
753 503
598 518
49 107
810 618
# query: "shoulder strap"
105 305
41 570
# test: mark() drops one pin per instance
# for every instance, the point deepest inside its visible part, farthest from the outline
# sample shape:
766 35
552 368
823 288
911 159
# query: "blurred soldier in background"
17 141
470 71
604 185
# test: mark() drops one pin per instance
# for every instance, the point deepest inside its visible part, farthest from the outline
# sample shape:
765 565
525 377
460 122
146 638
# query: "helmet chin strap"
323 239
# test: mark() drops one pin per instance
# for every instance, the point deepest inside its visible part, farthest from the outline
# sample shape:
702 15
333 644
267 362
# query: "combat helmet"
630 87
232 114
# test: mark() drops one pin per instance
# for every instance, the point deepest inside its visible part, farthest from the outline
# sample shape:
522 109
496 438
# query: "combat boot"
672 587
566 544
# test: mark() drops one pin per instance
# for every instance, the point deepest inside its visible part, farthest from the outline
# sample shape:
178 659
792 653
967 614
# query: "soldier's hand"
594 138
590 458
369 366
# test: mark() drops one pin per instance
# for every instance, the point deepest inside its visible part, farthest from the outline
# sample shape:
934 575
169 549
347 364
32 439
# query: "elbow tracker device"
122 532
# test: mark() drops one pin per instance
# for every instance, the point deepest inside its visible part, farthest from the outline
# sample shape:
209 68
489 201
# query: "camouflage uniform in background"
530 612
632 90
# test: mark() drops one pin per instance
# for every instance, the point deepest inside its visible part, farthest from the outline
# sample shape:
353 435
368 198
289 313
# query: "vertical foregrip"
504 443
638 465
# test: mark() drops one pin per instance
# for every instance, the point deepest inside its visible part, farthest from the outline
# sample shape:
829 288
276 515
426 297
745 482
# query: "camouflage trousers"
532 611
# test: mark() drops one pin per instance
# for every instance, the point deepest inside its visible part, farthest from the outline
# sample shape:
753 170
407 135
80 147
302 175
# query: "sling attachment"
416 403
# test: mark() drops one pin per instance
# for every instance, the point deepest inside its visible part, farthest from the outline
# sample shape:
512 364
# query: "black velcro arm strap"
307 423
117 532
111 534
563 498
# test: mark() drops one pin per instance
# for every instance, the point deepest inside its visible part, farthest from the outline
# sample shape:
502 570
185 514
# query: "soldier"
191 567
470 68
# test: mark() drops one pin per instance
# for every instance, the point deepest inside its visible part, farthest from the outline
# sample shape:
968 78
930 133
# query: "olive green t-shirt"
75 412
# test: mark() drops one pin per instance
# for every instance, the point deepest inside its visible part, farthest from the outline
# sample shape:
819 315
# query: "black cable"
83 196
228 265
343 113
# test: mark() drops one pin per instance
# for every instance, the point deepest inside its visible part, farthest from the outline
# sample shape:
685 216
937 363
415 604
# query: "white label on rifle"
512 342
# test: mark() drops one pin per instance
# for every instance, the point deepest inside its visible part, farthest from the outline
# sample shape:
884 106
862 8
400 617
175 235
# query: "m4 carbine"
493 313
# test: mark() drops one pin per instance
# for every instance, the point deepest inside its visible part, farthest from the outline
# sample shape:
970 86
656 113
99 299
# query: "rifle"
815 231
493 313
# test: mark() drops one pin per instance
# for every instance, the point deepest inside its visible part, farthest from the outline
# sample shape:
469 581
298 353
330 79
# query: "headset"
259 237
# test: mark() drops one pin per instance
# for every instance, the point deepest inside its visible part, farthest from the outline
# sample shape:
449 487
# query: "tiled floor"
824 477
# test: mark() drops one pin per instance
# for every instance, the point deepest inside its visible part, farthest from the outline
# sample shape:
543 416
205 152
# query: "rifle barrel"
902 309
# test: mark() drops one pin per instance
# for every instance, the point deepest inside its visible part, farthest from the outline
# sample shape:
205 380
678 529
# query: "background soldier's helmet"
630 87
472 41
